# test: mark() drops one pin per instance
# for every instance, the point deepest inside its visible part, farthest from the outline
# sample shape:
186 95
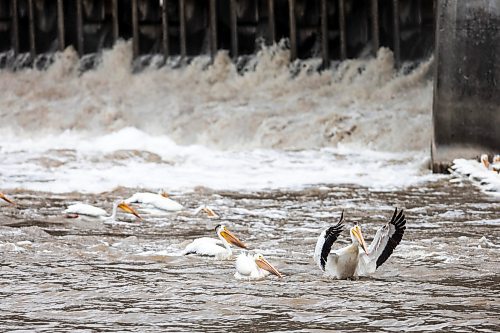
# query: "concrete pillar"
466 110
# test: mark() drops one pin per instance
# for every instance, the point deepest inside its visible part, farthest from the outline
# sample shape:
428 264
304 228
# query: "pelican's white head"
357 237
2 196
484 160
496 159
265 265
227 236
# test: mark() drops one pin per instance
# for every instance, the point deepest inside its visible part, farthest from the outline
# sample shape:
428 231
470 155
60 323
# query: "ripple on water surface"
59 274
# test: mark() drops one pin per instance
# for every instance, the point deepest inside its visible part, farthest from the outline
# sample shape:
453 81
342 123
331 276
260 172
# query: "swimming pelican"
2 196
207 210
349 262
218 248
96 212
254 267
494 166
159 200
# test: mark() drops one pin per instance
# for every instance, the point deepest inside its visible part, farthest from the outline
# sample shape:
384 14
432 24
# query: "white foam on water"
276 125
70 162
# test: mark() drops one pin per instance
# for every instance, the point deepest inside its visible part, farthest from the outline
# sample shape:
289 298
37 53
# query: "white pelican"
207 210
349 262
254 267
159 200
2 196
218 248
494 166
91 211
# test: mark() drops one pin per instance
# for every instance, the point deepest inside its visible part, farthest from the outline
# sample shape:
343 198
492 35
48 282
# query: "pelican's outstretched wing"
325 242
383 244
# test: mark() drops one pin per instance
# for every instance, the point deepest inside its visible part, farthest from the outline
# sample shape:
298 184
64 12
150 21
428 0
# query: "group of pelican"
352 261
494 165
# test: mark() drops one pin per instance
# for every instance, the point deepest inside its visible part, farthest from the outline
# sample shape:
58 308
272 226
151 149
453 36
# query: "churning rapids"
278 149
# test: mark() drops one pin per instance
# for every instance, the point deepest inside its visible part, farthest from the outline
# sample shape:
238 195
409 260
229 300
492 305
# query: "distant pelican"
494 166
207 210
349 262
96 212
2 196
159 200
218 248
254 267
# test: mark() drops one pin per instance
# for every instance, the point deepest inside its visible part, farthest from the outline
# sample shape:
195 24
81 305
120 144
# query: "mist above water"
271 103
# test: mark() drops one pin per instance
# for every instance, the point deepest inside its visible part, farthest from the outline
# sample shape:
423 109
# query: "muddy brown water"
60 274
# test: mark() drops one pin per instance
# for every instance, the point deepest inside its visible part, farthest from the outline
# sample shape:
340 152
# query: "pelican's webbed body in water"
218 248
93 212
356 259
159 201
254 267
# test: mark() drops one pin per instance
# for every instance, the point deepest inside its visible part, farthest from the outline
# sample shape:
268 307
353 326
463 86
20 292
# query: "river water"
278 150
59 274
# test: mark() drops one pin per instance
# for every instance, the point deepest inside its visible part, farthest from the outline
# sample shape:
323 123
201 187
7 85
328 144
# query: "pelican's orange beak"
2 196
210 213
128 209
232 239
359 236
164 194
264 264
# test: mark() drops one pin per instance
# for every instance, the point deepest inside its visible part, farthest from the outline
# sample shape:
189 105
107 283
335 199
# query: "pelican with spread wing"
356 259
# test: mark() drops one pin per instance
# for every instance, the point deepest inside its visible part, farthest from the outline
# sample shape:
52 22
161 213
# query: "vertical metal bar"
114 13
293 30
182 22
213 27
135 28
397 50
375 27
234 28
15 27
79 27
272 25
342 28
31 16
164 23
324 33
60 25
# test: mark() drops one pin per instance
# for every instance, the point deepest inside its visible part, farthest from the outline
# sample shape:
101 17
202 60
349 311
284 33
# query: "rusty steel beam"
324 33
114 14
182 22
396 32
79 27
135 28
271 22
213 28
342 29
60 25
15 27
31 16
375 27
234 28
293 30
164 24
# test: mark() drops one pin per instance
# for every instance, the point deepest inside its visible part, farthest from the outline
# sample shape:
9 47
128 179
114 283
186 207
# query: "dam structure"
464 37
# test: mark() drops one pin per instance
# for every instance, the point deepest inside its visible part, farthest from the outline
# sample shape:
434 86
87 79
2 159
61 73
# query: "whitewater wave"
71 162
266 105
